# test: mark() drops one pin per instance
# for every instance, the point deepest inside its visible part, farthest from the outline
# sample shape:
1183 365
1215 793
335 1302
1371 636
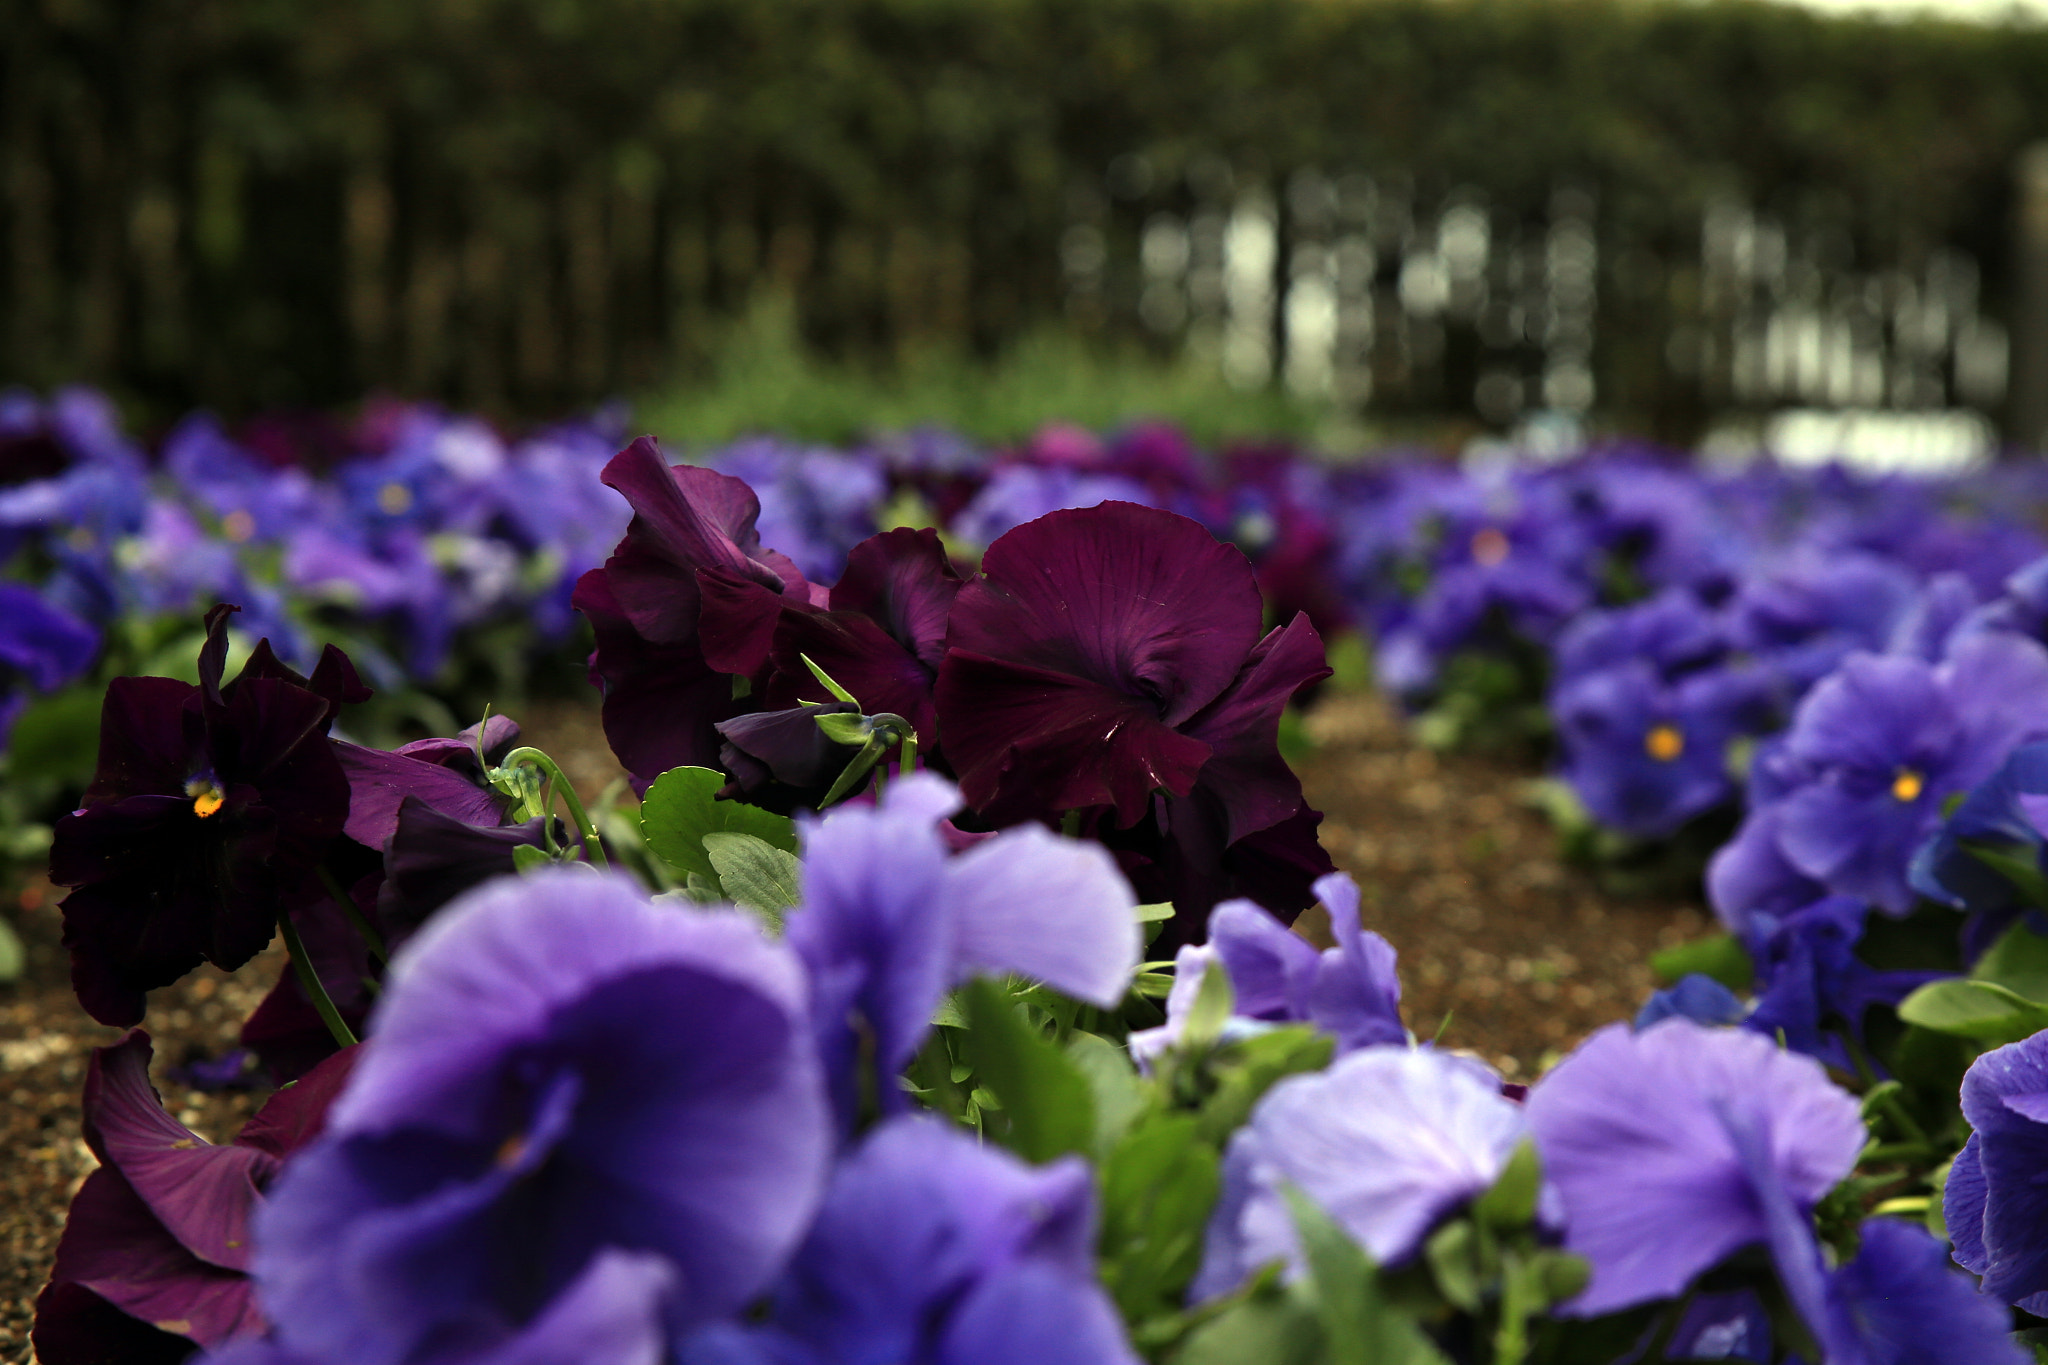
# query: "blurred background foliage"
521 206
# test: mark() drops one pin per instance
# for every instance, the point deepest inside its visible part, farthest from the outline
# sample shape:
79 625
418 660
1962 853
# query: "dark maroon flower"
1111 657
766 749
660 697
155 1252
880 633
208 813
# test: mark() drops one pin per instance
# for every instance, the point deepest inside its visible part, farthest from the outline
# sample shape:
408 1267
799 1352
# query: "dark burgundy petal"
335 678
113 1246
660 701
1142 601
200 1193
857 654
1034 742
788 745
75 1326
1182 858
736 621
1246 773
684 519
379 782
267 720
295 1115
213 655
143 747
435 856
905 583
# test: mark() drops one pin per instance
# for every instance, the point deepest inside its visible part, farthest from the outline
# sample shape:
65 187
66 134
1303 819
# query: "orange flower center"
395 499
238 525
1664 743
1908 785
207 797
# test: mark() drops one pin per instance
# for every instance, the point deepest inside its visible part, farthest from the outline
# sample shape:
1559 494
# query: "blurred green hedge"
521 204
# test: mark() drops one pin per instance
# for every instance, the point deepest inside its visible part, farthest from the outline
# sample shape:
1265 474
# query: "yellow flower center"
238 526
1489 547
395 499
1908 785
207 797
1664 743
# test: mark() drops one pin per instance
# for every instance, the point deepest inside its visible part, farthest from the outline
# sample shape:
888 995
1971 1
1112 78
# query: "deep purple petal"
557 1066
1029 741
74 1326
1137 600
1900 1302
114 1246
202 1194
1245 771
379 782
904 582
1036 1314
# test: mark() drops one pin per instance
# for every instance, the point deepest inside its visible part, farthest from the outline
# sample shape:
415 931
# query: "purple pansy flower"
891 920
1276 976
1900 1301
930 1247
1673 1147
156 1248
209 809
558 1069
42 647
1873 752
1808 978
1387 1141
1996 1202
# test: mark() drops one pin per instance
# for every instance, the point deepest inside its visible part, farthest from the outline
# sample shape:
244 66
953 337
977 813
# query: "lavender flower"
1387 1141
890 921
1673 1147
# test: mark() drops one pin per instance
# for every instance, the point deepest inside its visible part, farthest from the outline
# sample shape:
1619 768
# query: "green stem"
309 982
909 754
1070 823
592 847
372 940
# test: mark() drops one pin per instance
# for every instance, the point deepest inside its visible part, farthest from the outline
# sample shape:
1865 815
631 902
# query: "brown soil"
1523 954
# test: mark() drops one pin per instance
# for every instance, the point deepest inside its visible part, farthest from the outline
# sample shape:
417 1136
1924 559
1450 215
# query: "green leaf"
1211 1010
1360 1326
56 739
825 681
526 857
680 809
1119 1095
1047 1105
1720 957
1511 1202
1978 1010
13 959
1245 1071
1264 1330
1159 910
841 728
1159 1184
2018 961
756 874
1451 1252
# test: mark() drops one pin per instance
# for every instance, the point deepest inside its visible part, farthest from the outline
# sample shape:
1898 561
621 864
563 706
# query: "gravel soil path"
1522 954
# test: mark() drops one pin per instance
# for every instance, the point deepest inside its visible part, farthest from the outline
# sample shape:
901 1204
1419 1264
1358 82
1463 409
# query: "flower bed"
937 1003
